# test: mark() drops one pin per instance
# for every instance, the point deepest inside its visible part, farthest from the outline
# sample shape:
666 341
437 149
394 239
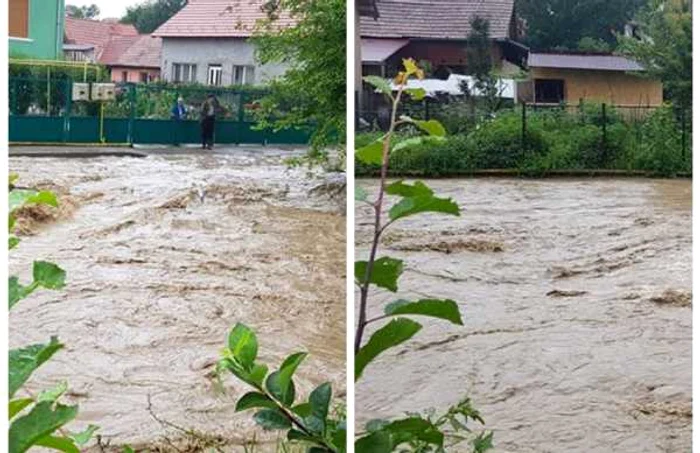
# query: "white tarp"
451 86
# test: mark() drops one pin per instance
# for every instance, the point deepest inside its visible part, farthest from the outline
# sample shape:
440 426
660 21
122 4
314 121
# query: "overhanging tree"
151 14
664 46
312 90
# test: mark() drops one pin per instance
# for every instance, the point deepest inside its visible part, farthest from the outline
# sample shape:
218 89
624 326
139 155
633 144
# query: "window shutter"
19 18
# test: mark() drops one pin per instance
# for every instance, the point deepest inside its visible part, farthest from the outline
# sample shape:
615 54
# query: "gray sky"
108 8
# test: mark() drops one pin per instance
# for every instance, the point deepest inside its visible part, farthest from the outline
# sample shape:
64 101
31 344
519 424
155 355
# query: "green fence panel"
116 130
84 129
41 129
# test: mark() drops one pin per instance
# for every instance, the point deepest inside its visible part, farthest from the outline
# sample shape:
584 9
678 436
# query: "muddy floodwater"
164 255
576 301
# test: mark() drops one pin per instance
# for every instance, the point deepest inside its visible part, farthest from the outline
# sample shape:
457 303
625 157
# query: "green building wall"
46 25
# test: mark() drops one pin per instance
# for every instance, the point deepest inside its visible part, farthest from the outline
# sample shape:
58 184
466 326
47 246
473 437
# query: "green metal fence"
43 111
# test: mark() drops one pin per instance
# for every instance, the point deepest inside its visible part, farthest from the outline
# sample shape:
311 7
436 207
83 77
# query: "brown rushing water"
157 276
571 341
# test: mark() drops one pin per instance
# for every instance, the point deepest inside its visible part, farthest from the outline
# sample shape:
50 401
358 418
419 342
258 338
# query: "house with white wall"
208 42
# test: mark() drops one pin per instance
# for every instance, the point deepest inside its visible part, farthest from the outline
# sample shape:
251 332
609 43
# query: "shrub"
660 148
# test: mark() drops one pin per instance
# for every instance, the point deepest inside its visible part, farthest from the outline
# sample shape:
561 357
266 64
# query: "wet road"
575 296
164 255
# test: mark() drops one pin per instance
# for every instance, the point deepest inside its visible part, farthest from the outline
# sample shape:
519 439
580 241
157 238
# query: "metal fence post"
523 131
67 113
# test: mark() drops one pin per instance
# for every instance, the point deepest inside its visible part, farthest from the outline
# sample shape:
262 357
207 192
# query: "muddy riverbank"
164 254
575 296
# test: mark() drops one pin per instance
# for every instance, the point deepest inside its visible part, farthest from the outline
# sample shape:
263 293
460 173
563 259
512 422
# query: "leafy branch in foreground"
37 420
415 432
310 422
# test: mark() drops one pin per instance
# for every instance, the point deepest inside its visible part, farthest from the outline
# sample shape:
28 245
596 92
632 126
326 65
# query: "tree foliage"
312 90
664 47
83 12
151 14
480 66
561 24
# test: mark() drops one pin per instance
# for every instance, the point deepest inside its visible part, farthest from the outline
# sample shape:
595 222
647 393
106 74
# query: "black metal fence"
582 136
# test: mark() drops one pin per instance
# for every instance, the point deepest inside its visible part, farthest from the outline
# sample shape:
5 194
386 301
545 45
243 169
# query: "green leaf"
432 127
83 437
483 442
243 344
127 449
372 153
425 203
416 94
40 422
20 197
320 399
289 366
24 361
257 374
379 83
340 439
271 419
414 428
377 442
13 242
49 275
402 189
360 194
303 410
16 406
414 141
294 434
58 443
254 399
435 308
385 272
18 291
392 334
272 384
53 394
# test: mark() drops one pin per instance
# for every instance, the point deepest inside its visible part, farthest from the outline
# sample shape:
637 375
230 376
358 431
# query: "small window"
244 75
182 72
549 91
125 76
19 18
214 75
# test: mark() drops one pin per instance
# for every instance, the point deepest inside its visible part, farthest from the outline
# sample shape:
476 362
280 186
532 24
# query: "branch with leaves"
415 431
37 420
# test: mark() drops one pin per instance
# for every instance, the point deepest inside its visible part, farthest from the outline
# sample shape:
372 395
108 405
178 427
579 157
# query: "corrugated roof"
436 19
141 51
580 61
95 33
218 18
377 50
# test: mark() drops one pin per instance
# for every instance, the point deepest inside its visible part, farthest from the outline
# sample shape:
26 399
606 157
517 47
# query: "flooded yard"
163 256
576 301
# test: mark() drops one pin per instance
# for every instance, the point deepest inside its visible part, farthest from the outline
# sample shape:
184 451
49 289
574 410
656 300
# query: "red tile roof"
218 18
436 19
143 53
95 33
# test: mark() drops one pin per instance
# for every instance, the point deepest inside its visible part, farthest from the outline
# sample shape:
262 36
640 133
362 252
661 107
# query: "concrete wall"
227 52
132 74
613 87
46 25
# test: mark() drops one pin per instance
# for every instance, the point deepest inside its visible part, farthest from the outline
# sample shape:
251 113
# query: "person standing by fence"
208 120
177 114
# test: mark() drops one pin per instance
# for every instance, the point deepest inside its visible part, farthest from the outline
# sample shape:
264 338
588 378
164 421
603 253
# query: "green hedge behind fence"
537 140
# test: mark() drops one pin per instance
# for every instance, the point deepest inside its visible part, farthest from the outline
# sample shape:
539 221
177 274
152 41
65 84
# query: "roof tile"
436 19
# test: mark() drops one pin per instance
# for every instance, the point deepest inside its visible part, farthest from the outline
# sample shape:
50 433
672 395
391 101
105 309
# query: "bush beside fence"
539 140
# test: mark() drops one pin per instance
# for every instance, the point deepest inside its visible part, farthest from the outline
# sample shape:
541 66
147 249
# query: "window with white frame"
184 72
243 75
214 75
